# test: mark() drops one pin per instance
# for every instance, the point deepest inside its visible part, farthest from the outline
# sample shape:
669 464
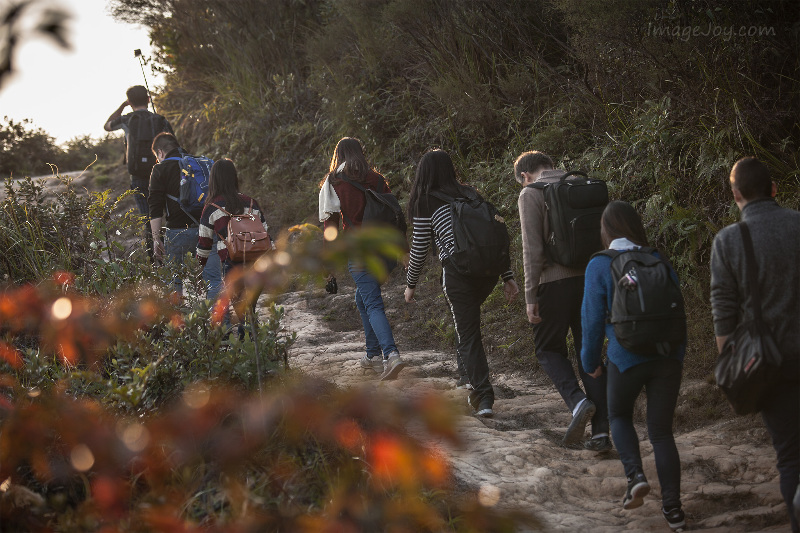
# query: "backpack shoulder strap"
221 209
608 253
442 196
344 178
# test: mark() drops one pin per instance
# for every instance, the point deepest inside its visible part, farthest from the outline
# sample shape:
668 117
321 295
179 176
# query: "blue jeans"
180 241
661 380
370 305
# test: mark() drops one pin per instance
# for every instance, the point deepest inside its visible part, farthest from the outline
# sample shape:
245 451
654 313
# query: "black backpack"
647 312
481 243
381 209
574 208
143 126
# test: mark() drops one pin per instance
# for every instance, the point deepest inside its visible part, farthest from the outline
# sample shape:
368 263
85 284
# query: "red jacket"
352 200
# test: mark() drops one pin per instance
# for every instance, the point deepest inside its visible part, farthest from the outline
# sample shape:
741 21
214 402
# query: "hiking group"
206 215
591 280
590 274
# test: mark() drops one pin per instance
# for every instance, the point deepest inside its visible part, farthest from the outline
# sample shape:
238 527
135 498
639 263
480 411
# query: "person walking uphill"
224 200
140 127
657 368
553 296
432 218
182 230
775 235
341 200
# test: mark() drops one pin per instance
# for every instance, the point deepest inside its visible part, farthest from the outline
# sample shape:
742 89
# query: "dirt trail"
729 479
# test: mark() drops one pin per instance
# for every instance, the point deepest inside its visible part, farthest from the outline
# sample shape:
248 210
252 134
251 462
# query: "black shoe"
675 518
577 427
638 488
598 444
484 409
463 383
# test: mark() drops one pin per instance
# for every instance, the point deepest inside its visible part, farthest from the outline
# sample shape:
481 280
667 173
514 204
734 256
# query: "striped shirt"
437 228
214 220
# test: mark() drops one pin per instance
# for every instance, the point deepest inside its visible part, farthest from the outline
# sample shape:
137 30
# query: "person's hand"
409 294
510 290
533 313
597 372
158 250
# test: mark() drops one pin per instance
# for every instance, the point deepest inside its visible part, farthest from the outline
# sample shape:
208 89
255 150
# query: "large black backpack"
481 243
574 205
381 209
143 126
647 313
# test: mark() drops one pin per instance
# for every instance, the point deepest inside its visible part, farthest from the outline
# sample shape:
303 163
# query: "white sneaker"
392 366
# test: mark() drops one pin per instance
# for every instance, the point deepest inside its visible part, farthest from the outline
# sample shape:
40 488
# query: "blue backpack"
195 171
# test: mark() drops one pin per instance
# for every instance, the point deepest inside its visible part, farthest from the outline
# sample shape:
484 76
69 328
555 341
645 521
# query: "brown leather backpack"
247 239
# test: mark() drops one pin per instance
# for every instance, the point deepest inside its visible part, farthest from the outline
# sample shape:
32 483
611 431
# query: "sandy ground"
729 479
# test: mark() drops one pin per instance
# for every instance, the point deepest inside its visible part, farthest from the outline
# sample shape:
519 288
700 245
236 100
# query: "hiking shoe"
638 488
392 366
484 409
675 518
374 363
577 427
598 444
463 383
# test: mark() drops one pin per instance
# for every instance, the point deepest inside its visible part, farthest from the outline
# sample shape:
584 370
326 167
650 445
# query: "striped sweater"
214 220
436 228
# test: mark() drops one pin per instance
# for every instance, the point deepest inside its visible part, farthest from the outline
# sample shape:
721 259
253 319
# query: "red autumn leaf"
220 307
10 355
63 278
348 434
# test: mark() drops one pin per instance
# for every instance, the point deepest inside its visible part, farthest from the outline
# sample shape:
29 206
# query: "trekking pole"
138 53
251 315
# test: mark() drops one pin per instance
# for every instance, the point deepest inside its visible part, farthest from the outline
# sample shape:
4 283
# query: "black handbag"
750 360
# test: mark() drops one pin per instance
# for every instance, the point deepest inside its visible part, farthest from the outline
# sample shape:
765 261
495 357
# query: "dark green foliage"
660 98
72 232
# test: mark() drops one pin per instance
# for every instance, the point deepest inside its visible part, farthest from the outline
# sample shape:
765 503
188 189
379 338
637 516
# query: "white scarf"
329 203
622 244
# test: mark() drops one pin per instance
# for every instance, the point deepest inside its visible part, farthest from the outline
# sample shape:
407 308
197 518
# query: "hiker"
628 373
140 128
433 222
182 232
775 235
340 201
224 200
553 296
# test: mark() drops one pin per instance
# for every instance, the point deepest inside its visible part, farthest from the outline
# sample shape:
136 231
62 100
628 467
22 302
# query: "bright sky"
69 93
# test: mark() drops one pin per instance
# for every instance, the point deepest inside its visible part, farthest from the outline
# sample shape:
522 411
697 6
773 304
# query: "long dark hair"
224 181
435 172
620 220
349 151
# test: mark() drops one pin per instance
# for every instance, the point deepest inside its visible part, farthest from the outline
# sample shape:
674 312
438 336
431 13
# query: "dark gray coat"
776 241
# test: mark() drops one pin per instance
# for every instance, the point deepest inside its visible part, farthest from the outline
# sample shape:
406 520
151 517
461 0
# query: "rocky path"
729 480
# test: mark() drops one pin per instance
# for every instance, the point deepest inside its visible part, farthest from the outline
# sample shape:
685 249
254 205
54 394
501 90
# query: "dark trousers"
661 380
464 296
781 415
141 186
560 308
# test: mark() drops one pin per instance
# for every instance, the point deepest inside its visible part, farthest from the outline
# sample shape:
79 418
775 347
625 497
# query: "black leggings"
661 380
465 295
